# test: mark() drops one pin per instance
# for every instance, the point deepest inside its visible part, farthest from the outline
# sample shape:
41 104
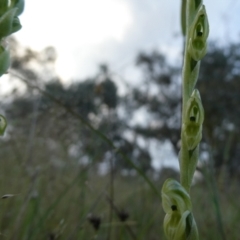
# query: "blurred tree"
50 130
160 94
96 99
219 84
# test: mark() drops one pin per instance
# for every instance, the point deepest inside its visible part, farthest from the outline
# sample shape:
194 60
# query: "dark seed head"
51 236
95 221
123 215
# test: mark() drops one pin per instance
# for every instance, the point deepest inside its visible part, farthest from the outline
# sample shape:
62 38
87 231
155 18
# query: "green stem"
188 159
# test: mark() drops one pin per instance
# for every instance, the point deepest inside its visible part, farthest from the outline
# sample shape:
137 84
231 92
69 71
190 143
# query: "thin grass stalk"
212 185
111 193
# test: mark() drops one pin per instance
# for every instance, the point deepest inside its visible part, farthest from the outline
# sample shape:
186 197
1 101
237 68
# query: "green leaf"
4 61
3 124
6 23
3 6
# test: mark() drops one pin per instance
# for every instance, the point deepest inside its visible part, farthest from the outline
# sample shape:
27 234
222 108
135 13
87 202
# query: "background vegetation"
53 163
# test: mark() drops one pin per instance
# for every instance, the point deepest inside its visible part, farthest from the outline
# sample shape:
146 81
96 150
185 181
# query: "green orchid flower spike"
179 223
9 23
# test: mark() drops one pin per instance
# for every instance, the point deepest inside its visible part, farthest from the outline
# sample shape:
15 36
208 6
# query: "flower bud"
198 35
193 120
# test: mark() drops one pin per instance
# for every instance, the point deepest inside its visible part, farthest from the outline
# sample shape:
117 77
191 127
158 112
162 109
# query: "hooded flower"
179 223
193 120
198 35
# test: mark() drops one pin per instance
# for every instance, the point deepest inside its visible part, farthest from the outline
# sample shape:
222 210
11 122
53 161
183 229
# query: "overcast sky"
86 33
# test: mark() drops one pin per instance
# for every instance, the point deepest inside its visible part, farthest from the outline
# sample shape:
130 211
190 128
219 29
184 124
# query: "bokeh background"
93 103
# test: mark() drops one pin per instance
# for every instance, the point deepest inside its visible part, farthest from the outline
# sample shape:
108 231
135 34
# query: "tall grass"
59 203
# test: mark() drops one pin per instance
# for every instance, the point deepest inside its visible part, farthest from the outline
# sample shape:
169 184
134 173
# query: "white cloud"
73 22
76 28
88 32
